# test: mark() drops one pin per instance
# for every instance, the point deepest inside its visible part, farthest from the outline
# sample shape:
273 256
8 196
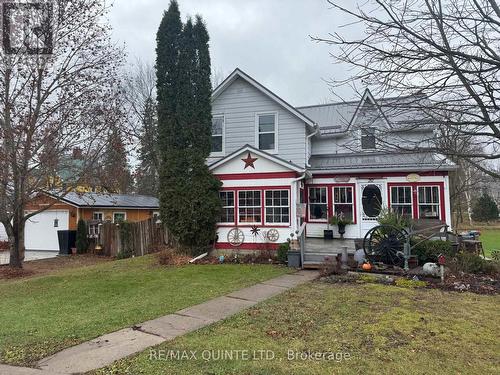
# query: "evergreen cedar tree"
189 193
82 243
485 209
147 172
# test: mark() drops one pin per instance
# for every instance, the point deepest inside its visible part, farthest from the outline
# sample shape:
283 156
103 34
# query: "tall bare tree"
443 53
57 83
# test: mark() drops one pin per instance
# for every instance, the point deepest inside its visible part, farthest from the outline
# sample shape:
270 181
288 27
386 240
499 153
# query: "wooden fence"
134 239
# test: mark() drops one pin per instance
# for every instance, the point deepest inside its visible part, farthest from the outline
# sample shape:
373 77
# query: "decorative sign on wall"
342 179
413 177
249 161
301 210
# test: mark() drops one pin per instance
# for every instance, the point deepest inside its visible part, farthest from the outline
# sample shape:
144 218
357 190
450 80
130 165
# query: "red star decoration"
249 161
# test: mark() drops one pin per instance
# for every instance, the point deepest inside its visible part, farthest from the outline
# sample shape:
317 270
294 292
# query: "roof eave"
447 168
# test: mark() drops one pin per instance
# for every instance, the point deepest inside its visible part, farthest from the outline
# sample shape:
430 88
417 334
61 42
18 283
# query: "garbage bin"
67 240
294 259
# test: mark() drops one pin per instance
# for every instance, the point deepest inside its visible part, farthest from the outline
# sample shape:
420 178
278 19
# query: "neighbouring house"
64 212
282 166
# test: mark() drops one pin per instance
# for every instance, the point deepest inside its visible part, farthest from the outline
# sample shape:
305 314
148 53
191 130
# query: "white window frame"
240 207
438 204
402 204
334 203
361 138
99 213
119 213
287 223
257 133
223 152
235 196
309 204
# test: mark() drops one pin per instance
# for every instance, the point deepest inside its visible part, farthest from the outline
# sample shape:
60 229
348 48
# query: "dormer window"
218 135
368 139
266 129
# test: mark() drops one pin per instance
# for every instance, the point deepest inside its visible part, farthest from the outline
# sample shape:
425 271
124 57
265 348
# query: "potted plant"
341 221
328 233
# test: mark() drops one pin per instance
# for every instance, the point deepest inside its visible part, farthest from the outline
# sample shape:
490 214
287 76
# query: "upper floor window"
218 134
368 139
267 131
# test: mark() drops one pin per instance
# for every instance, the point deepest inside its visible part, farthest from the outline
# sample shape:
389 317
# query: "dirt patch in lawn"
47 266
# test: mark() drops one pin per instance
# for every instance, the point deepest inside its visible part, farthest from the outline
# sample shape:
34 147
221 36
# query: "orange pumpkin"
367 267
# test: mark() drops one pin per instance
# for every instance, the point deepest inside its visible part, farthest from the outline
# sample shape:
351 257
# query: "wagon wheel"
236 237
385 244
273 235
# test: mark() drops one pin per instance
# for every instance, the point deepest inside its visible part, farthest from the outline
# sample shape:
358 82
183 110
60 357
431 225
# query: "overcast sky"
268 39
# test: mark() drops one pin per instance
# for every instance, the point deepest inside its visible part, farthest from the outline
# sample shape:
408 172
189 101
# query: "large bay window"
277 206
343 202
249 207
401 200
428 202
217 134
227 198
266 124
318 203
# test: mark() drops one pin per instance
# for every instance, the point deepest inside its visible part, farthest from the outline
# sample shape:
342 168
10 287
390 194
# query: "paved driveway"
30 255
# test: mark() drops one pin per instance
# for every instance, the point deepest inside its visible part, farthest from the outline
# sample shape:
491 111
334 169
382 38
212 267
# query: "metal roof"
380 161
110 200
402 113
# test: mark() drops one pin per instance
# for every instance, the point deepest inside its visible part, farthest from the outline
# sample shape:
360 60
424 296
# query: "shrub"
472 263
283 252
168 257
428 251
82 241
330 267
485 209
126 241
395 219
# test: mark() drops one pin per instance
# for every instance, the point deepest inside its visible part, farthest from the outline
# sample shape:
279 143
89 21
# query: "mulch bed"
479 284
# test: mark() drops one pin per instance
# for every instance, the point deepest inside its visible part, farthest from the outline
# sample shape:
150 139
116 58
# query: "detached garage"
63 212
41 230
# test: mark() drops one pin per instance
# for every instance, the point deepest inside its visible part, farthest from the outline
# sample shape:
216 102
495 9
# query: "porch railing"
301 236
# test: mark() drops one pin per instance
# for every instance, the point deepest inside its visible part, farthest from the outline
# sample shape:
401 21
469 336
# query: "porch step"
318 257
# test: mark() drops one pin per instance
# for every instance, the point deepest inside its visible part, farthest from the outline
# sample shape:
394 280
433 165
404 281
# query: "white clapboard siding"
239 104
3 235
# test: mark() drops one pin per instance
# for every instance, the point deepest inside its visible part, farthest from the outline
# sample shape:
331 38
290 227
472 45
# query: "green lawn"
42 315
384 330
491 240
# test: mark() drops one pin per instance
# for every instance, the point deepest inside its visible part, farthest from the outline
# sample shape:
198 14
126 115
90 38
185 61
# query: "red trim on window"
247 246
262 190
256 176
415 186
329 192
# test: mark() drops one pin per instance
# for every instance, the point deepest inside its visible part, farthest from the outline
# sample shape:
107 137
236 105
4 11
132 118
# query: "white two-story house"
282 166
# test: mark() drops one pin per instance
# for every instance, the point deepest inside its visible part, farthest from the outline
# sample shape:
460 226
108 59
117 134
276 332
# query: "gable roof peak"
238 73
367 95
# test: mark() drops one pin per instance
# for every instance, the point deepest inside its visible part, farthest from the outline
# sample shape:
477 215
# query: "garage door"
41 230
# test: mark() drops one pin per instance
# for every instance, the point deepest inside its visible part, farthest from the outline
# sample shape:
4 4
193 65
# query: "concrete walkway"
106 349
